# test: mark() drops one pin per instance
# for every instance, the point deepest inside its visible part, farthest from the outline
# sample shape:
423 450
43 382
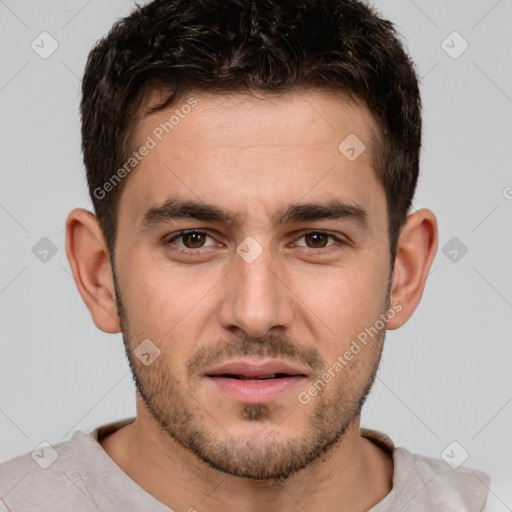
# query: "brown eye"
317 240
191 239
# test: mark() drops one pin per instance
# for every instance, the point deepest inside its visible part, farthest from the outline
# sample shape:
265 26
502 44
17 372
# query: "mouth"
255 381
255 378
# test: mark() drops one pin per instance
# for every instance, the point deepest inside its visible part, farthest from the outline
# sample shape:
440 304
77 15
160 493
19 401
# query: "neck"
353 475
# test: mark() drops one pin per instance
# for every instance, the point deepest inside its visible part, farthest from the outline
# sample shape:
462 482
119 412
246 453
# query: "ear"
89 259
417 247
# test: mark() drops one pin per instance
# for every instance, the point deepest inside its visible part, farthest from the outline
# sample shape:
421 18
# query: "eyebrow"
176 208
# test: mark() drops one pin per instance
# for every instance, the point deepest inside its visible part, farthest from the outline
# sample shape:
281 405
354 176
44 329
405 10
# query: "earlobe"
416 250
89 260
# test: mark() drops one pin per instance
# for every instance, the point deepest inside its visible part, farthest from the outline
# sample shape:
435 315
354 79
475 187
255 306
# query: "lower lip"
255 391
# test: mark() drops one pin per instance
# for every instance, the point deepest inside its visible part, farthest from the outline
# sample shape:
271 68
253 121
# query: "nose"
256 297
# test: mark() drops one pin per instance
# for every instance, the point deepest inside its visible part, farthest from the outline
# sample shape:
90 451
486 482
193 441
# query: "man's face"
259 295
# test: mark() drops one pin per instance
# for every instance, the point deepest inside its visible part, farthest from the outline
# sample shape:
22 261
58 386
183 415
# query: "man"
252 167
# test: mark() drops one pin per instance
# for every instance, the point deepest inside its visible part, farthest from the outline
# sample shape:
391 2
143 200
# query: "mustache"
270 346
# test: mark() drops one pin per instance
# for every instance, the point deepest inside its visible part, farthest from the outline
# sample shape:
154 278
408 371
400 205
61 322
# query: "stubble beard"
268 457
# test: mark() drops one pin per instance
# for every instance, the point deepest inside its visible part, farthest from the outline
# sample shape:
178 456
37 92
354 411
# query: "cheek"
344 296
166 302
149 286
338 305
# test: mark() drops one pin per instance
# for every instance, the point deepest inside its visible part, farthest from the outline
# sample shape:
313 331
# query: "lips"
247 370
253 381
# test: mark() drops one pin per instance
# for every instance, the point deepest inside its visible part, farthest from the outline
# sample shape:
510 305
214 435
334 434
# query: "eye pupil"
194 235
315 236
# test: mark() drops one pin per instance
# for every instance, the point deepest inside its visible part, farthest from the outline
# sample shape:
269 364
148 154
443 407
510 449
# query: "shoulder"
434 483
36 480
422 483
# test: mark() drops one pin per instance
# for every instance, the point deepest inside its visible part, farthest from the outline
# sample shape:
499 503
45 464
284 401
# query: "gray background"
445 375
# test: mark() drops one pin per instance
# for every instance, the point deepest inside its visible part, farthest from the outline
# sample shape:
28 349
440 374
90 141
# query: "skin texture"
303 300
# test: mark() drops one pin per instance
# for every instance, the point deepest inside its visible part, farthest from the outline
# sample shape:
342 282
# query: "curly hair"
232 46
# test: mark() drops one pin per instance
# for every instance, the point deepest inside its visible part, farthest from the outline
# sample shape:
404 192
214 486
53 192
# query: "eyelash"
197 251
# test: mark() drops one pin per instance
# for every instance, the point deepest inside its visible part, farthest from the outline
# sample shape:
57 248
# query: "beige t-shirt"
79 475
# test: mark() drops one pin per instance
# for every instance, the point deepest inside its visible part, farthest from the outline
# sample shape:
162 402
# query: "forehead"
293 118
253 154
